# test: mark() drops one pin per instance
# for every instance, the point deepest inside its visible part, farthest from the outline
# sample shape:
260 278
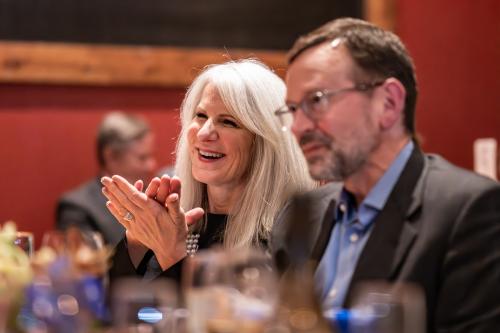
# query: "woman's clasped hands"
153 219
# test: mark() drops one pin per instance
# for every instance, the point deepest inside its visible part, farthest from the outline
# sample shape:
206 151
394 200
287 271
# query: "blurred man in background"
124 147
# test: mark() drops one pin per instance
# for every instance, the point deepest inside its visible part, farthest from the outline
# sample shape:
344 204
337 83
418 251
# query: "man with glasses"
391 212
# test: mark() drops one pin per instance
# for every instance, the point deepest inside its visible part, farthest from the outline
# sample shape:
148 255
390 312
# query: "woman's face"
220 147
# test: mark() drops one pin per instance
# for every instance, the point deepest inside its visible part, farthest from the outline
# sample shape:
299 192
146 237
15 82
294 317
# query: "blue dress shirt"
352 229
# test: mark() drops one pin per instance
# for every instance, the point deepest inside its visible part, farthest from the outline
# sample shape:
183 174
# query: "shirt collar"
378 195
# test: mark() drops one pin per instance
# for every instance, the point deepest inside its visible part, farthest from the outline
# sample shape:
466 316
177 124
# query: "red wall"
456 49
47 133
47 137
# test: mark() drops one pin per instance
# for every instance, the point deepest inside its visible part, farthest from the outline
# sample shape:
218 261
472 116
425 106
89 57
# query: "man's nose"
301 123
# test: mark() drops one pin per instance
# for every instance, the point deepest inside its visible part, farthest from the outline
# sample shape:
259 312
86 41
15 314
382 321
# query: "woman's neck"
221 199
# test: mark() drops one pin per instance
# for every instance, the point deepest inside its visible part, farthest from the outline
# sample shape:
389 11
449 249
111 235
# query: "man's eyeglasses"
315 104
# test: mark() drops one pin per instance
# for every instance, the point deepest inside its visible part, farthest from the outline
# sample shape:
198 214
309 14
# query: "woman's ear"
394 103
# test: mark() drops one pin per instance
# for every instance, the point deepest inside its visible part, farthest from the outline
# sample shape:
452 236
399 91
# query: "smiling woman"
219 148
237 167
232 105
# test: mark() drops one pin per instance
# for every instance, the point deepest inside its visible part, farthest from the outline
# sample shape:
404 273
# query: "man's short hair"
378 54
117 131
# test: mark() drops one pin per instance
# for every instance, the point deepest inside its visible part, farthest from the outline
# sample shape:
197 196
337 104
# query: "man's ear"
394 103
111 157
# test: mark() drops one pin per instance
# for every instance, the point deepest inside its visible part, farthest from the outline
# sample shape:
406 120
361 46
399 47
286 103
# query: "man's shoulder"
323 193
450 189
456 179
81 194
313 206
317 201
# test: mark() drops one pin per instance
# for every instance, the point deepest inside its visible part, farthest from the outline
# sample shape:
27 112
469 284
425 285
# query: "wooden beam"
88 64
100 65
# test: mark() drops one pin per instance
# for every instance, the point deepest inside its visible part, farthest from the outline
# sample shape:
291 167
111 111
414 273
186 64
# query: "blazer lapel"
409 230
311 222
325 232
392 234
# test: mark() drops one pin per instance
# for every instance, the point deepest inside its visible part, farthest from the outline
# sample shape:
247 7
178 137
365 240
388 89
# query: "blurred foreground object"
299 310
140 306
25 241
15 269
67 292
380 307
85 251
233 291
15 273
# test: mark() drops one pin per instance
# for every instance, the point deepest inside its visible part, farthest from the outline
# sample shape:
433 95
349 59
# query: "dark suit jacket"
85 208
440 228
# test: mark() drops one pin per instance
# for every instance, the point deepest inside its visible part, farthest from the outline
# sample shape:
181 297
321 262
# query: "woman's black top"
149 268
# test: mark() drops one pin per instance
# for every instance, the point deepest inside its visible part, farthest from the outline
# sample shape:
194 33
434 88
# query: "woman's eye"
200 115
230 123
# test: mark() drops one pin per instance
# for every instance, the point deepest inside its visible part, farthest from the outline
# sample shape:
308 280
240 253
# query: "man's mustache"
314 137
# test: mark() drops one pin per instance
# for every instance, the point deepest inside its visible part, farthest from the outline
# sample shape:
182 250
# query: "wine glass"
252 274
179 321
55 240
81 246
81 256
72 239
140 306
76 239
230 292
24 240
203 275
389 308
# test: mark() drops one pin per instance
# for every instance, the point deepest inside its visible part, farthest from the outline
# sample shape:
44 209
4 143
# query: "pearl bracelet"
192 243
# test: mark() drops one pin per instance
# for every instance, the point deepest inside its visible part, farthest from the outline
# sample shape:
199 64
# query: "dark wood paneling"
253 24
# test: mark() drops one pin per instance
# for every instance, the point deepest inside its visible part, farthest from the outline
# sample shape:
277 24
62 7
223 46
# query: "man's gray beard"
340 166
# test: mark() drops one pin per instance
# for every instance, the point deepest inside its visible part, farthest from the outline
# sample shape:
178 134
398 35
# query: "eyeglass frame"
325 94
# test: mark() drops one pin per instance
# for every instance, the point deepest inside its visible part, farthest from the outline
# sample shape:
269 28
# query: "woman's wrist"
136 250
167 260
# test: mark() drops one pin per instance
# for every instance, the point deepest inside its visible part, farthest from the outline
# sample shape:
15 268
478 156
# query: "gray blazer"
440 228
85 208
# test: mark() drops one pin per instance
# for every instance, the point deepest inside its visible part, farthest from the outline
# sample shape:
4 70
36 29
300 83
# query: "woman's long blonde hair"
278 170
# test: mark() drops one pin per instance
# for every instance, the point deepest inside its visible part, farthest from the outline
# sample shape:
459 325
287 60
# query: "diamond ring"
128 217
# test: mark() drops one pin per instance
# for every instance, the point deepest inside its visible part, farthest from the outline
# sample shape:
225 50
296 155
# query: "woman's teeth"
206 154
